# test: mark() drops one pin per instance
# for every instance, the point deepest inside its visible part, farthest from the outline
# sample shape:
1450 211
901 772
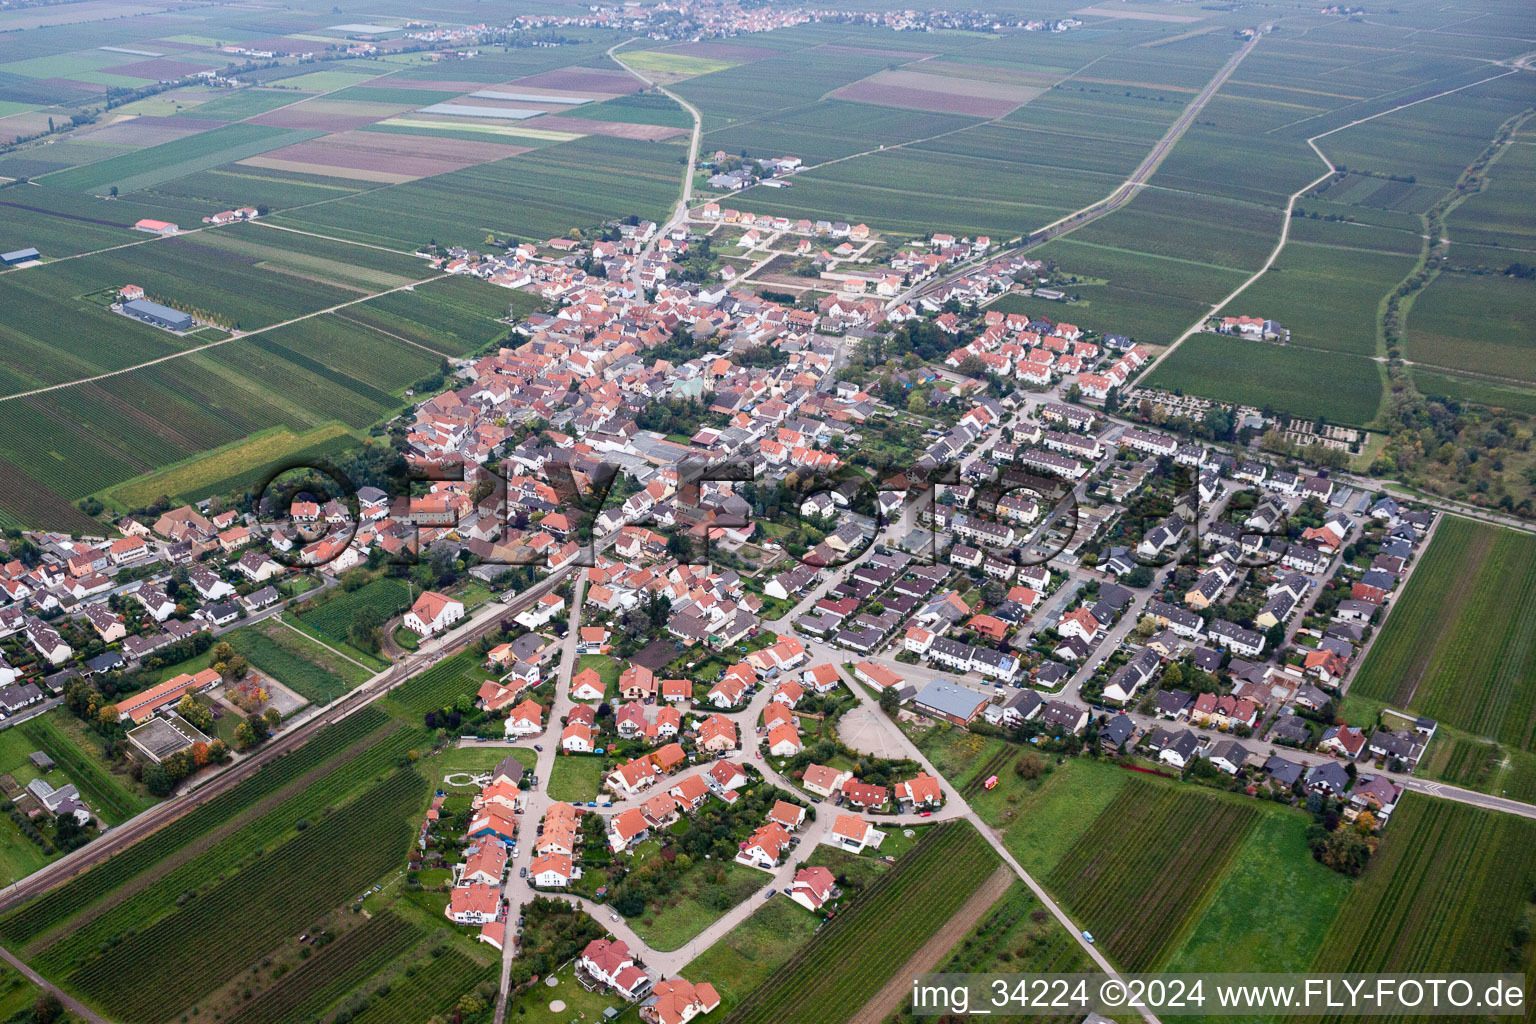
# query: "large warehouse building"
160 316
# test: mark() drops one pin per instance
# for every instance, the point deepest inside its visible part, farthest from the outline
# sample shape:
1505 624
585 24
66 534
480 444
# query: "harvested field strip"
197 478
1461 644
840 969
240 848
161 970
344 965
1447 890
62 903
508 130
1147 864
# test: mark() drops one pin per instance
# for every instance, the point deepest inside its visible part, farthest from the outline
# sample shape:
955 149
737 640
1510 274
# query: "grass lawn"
606 668
112 795
1040 822
576 778
407 639
1271 910
896 841
16 992
745 957
474 594
224 725
706 891
475 759
192 666
533 1006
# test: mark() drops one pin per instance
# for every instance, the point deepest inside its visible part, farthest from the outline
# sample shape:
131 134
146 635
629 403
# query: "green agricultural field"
832 129
1476 323
204 475
1139 875
206 943
31 924
845 964
1498 394
1326 296
1449 889
387 596
1041 822
360 268
907 191
1017 936
237 106
234 184
146 168
1282 377
339 969
335 344
639 108
1271 909
232 848
1150 298
455 316
538 195
1499 215
1218 234
440 686
297 662
671 63
1460 645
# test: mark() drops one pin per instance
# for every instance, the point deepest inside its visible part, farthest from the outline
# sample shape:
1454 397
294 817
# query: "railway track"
162 814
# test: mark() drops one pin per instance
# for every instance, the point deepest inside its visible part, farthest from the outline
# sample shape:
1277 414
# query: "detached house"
432 612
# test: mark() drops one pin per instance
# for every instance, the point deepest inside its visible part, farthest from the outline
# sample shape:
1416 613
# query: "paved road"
71 1004
203 790
1123 193
680 211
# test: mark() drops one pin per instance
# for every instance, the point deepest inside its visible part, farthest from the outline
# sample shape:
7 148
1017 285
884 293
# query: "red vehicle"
990 783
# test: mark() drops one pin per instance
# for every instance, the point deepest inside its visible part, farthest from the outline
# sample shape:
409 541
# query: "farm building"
156 227
11 259
158 315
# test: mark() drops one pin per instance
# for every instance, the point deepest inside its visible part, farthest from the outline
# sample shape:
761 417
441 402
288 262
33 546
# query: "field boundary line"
389 334
332 238
1290 205
238 336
